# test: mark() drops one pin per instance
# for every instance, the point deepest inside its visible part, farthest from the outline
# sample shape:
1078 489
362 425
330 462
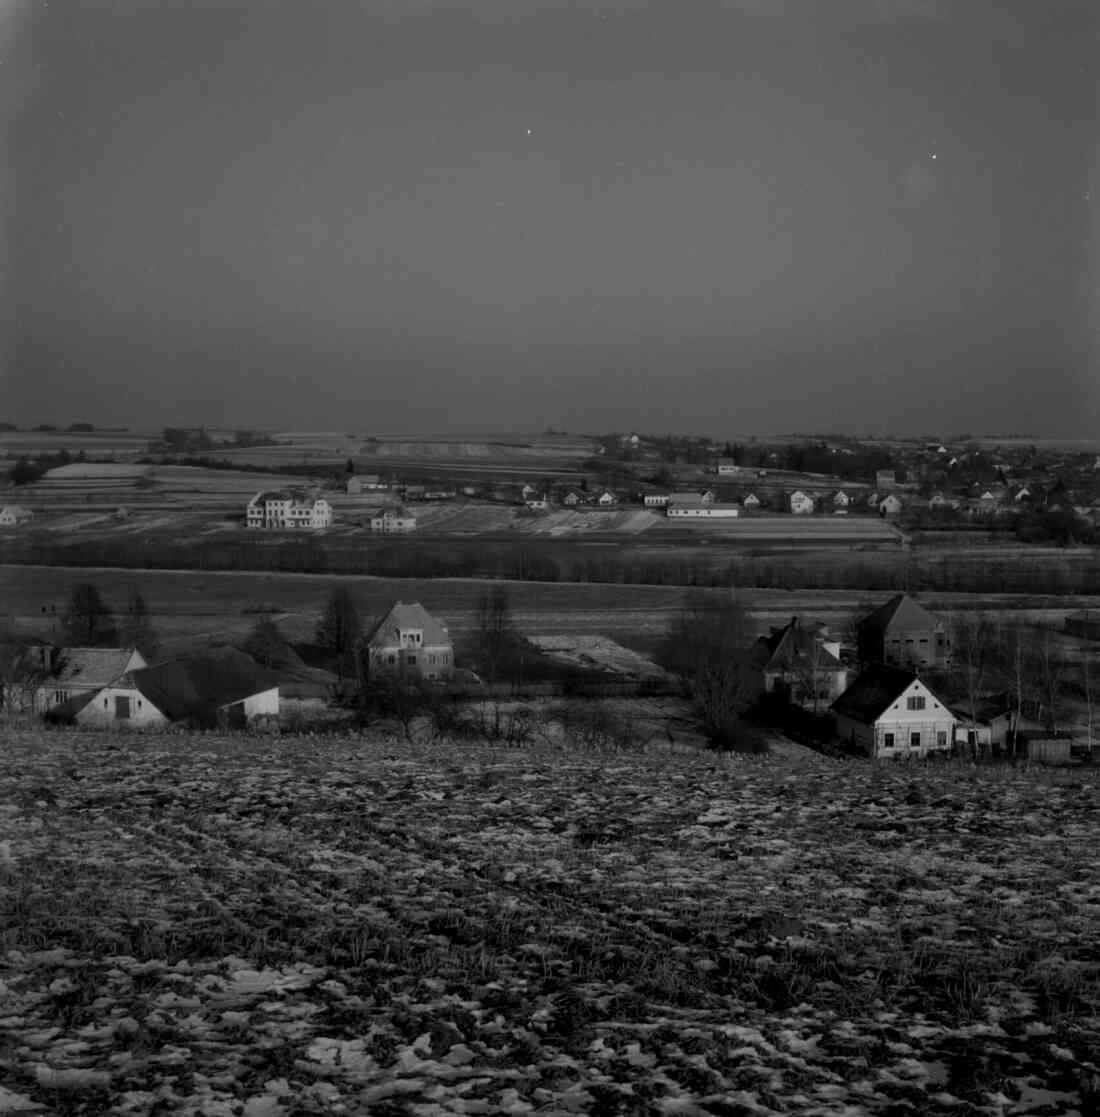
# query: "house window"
122 706
411 660
971 737
916 702
941 738
391 658
887 740
914 740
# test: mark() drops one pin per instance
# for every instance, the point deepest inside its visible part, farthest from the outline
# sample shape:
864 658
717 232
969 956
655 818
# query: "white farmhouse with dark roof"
75 672
890 712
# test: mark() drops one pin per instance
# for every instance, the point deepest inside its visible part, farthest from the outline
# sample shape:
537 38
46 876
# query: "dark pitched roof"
795 644
93 668
405 616
197 686
873 692
901 608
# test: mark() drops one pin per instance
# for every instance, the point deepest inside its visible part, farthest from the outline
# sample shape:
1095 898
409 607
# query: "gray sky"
687 215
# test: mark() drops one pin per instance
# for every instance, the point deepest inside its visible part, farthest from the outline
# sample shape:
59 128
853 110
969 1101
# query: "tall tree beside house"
88 622
495 630
340 628
973 650
708 646
137 629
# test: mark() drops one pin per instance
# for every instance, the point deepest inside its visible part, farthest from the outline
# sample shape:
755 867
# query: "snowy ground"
204 925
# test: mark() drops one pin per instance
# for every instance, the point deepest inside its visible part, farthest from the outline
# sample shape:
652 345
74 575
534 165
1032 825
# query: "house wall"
255 708
855 732
829 684
102 711
713 511
429 661
924 646
935 724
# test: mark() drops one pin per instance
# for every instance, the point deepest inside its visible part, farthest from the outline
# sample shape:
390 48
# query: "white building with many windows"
288 508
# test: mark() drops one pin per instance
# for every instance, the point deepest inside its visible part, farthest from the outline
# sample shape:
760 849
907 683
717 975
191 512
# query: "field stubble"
314 926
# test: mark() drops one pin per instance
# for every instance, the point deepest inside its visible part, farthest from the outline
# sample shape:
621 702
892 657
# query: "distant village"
931 482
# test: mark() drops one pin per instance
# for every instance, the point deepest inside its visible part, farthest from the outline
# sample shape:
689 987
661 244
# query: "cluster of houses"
889 709
218 687
885 708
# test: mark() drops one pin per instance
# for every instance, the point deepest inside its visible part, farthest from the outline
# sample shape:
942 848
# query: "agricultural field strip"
540 920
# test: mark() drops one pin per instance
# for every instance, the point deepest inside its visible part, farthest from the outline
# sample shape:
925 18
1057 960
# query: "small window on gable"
915 702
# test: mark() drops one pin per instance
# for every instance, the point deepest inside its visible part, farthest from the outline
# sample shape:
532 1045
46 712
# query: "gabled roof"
93 668
796 645
902 609
876 689
402 617
198 686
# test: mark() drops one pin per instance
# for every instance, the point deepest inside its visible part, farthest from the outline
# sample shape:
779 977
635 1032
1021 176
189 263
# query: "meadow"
190 606
267 927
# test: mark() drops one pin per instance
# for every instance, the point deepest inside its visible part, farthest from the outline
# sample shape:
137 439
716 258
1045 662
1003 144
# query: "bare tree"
973 645
340 628
708 646
137 627
495 629
88 622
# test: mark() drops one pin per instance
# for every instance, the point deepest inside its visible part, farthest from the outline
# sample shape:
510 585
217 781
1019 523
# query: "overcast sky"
666 215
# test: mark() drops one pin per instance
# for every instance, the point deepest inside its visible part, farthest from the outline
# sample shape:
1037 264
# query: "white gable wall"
105 709
933 721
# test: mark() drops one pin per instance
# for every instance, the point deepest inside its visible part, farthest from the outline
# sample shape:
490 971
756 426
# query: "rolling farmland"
192 606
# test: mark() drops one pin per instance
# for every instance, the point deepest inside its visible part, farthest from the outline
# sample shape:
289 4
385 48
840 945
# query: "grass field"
275 927
190 605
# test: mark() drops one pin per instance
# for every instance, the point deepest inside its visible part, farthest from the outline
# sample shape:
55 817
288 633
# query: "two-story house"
904 634
801 663
408 640
288 508
393 518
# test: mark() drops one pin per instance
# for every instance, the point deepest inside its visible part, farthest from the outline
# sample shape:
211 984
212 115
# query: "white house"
408 640
393 519
801 504
219 688
74 673
607 498
751 502
571 499
727 467
890 505
700 510
11 515
842 500
656 500
288 508
891 712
